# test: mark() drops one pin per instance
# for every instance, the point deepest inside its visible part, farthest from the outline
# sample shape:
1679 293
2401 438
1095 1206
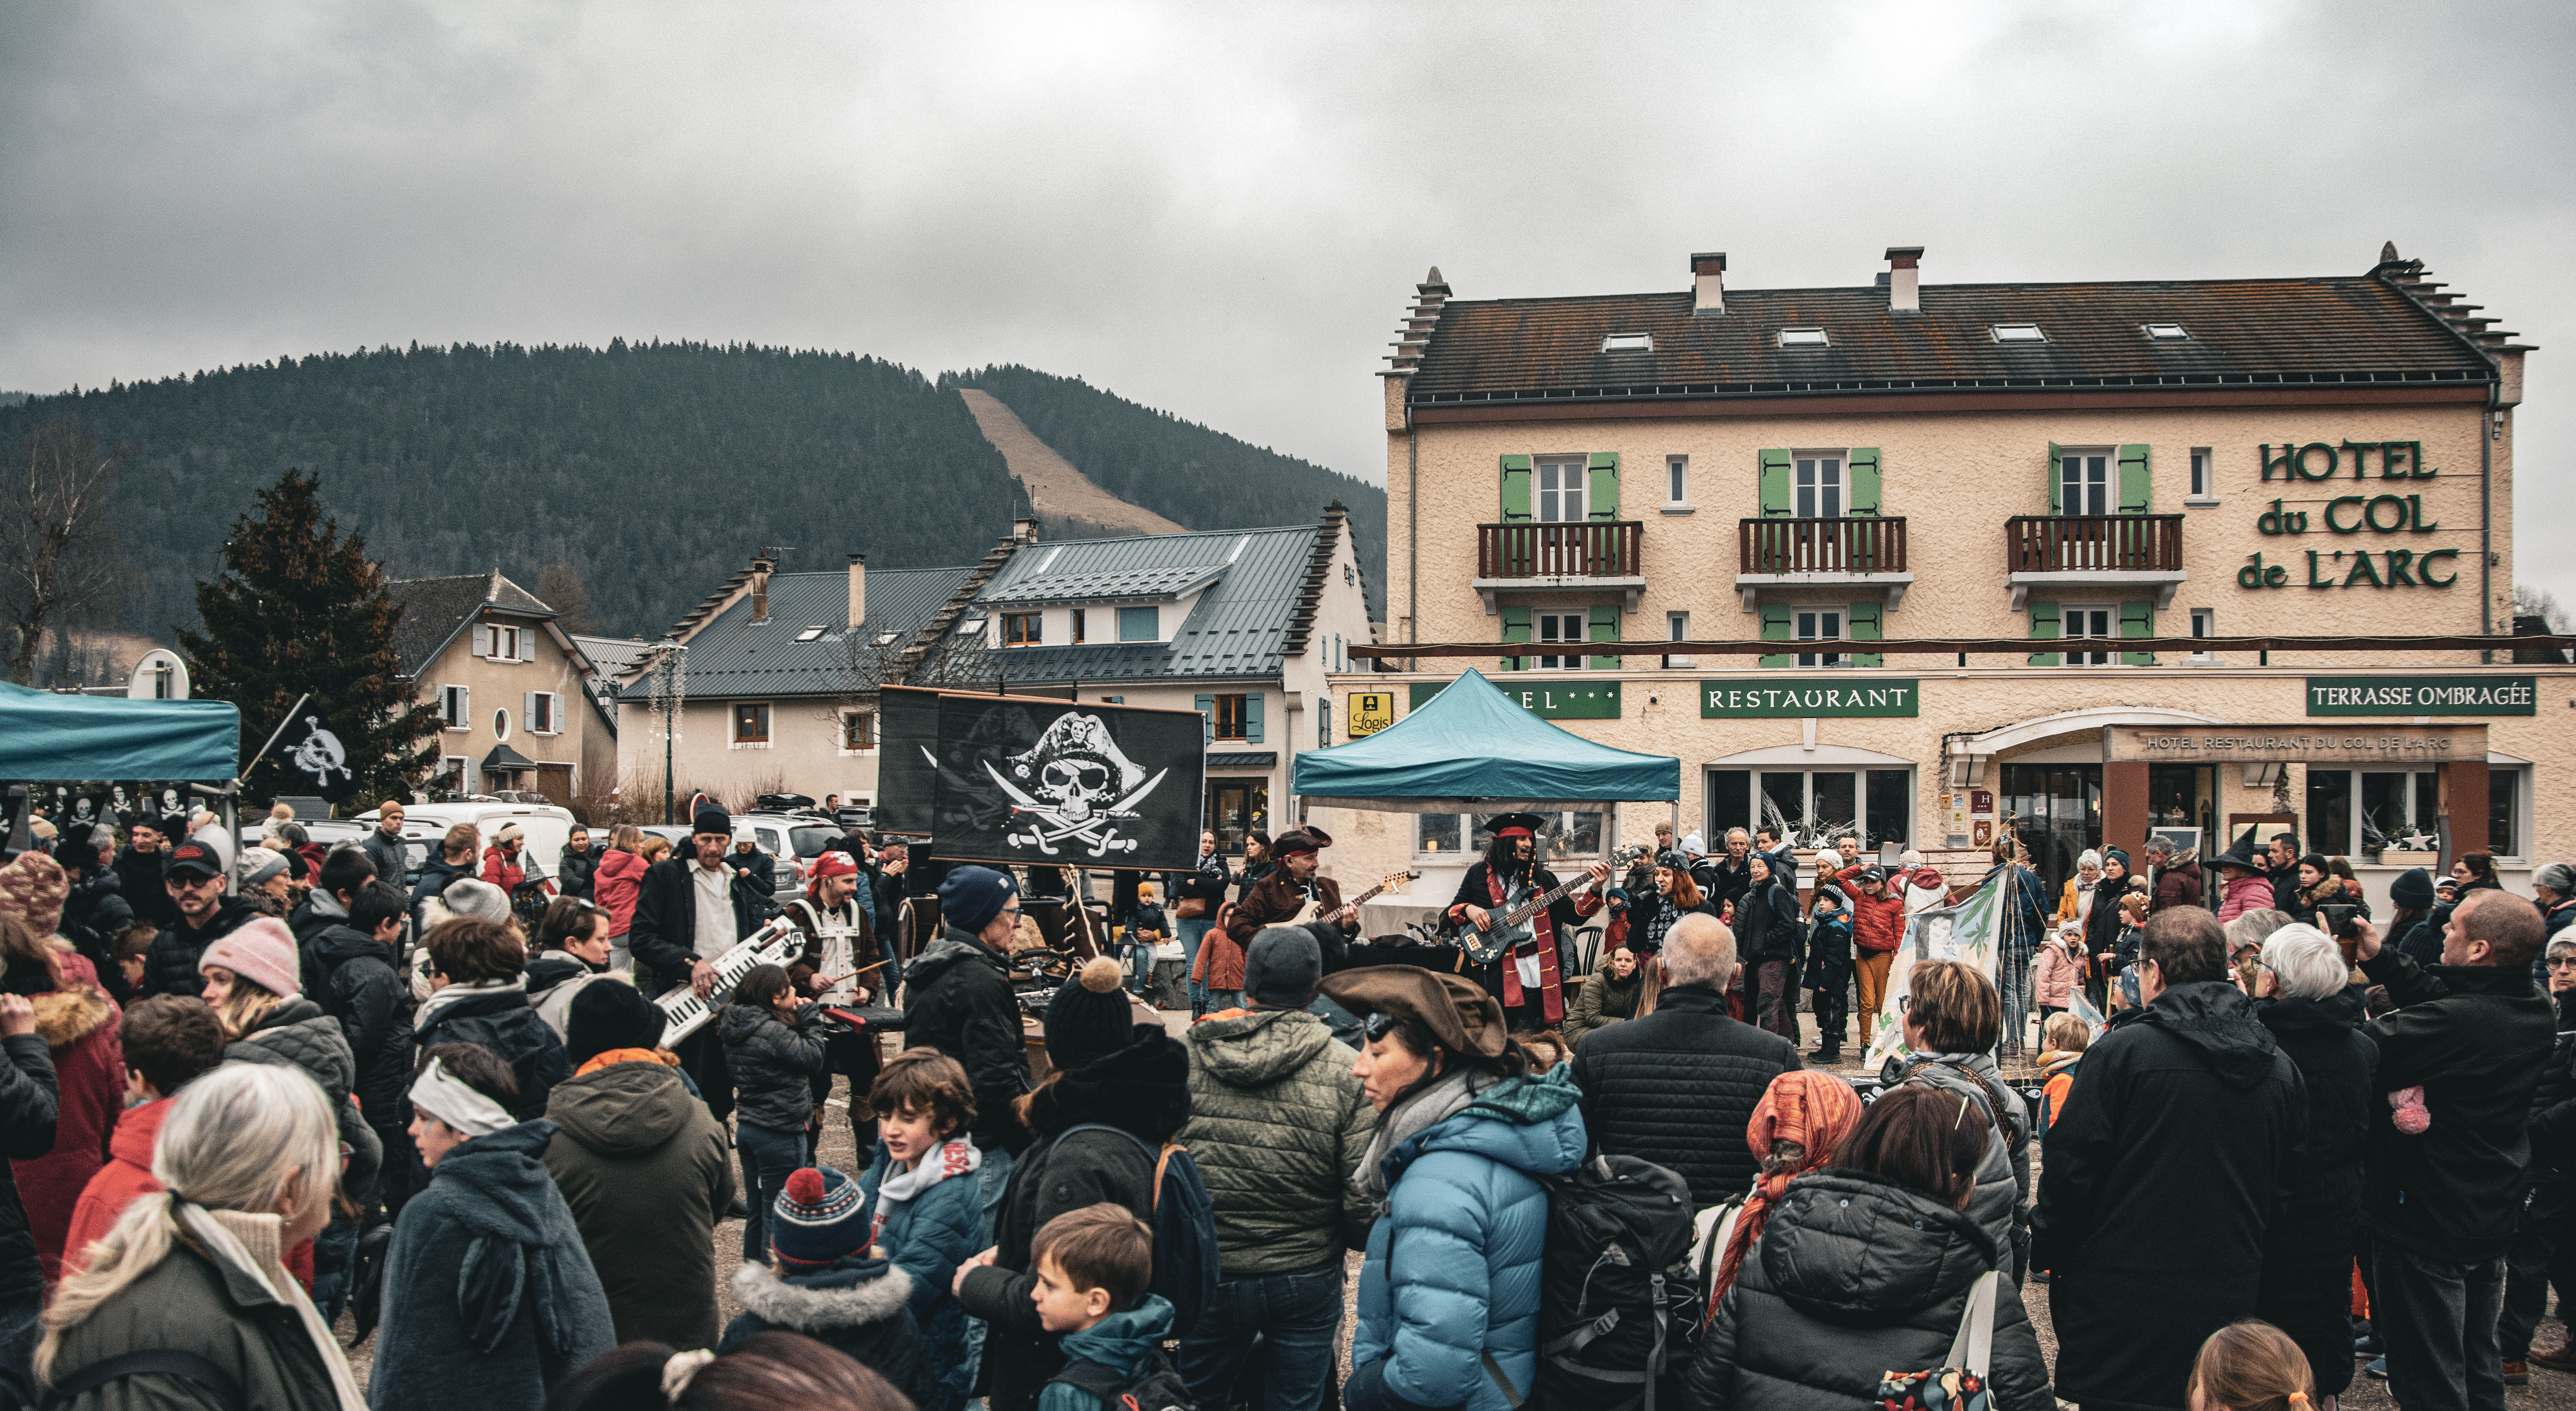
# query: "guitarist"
1526 979
840 937
1284 892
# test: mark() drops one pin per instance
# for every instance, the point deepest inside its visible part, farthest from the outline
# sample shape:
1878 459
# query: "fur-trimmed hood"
66 1016
848 1294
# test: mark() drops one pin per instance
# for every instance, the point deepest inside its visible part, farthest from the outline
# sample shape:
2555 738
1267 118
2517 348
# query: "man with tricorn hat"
1525 977
1284 892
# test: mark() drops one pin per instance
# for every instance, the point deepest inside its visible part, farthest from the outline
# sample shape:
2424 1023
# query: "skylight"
2019 333
810 633
2167 330
972 624
1628 343
886 639
1804 338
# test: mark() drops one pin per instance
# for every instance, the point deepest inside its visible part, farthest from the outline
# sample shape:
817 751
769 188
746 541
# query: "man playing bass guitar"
1525 978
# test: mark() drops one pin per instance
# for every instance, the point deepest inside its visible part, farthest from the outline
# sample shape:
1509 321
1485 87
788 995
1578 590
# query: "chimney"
1708 274
1904 286
858 590
1025 530
760 590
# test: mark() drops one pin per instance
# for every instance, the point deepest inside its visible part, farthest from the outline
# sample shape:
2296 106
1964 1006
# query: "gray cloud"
1220 210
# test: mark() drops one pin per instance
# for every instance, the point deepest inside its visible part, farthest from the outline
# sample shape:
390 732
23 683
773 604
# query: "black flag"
314 754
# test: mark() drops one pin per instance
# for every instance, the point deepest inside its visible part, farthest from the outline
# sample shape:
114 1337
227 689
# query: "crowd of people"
249 1090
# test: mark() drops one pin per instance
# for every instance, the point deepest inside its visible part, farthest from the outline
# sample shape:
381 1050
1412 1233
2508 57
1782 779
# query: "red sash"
1542 935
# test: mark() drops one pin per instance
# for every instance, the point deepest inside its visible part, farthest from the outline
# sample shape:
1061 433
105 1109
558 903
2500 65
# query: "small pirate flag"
314 753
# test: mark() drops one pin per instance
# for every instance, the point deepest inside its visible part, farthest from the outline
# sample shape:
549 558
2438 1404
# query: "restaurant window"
1812 808
1023 629
2084 482
2183 797
2328 820
751 723
1820 486
1562 629
1236 807
1560 489
2504 811
1572 835
1821 625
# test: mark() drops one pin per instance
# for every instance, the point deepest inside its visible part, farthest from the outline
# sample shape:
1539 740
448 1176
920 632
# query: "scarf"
1815 1110
1425 1109
250 1242
1542 940
441 999
953 1158
627 1055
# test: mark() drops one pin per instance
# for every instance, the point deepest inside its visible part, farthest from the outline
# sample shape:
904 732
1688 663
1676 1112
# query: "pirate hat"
1518 825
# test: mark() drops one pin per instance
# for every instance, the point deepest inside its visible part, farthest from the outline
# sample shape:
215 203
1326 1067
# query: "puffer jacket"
646 1173
957 999
170 966
2243 892
500 1020
1878 923
1123 1342
861 1307
1453 1266
613 885
95 913
927 1237
489 1296
357 986
503 869
78 1024
1829 951
2053 975
1856 1275
2553 1101
297 1033
2308 1245
773 1066
573 871
435 875
1766 923
1277 1125
1604 1000
30 1105
1677 1087
387 854
2001 1205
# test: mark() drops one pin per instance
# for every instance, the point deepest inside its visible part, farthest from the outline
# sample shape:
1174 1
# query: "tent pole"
282 723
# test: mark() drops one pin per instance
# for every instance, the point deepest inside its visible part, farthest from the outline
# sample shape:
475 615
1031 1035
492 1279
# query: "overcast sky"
1222 210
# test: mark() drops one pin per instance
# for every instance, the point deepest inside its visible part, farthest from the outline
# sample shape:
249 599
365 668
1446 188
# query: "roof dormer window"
2019 333
810 633
1804 338
2163 331
1628 343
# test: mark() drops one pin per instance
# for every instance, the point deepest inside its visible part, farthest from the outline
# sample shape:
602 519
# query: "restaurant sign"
2423 695
1548 700
1802 699
2292 744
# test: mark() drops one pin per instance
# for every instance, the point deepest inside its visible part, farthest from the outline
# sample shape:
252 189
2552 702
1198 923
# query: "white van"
545 826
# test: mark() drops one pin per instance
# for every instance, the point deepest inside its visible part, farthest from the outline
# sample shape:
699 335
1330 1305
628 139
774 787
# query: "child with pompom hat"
830 1287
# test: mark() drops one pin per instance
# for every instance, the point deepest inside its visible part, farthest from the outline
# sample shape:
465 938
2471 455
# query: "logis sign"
2382 513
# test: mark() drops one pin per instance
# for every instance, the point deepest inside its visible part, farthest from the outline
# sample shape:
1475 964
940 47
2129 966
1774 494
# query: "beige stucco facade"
802 755
498 712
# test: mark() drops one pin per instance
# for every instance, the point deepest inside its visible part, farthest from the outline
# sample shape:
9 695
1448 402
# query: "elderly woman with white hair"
2544 1247
185 1301
2315 1017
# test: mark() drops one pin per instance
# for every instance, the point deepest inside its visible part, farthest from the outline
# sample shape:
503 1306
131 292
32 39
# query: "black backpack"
1158 1388
1618 1306
1185 1250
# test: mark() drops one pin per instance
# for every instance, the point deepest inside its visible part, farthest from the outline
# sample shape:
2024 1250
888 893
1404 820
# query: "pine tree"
300 609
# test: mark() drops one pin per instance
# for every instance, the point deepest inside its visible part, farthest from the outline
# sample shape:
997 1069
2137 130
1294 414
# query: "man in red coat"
1527 977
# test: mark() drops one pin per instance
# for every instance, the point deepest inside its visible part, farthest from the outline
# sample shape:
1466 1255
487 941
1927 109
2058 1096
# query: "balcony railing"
1586 548
1856 544
2093 543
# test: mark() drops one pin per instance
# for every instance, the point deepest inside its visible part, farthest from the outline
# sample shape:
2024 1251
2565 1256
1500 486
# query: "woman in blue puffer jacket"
1463 1138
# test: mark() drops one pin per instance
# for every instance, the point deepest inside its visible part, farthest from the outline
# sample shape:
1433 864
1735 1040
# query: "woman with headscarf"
1796 1128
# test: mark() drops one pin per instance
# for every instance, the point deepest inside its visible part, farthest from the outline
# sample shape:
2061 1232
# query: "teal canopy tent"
1471 748
48 737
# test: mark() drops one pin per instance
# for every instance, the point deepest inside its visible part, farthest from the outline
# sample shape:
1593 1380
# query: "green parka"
1604 1000
1278 1123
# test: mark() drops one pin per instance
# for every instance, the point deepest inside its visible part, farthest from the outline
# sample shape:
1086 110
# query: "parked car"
767 832
426 824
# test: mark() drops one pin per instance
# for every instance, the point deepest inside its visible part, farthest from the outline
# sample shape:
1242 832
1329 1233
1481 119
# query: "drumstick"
862 970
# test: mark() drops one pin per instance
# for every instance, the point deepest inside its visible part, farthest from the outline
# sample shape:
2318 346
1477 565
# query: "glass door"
2056 811
1236 807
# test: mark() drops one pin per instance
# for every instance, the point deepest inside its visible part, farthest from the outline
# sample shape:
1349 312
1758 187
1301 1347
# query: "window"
2165 331
858 731
1078 634
1560 489
1236 807
1023 629
500 725
751 724
2019 333
455 707
1804 338
972 627
1821 625
1561 836
2504 810
2204 623
1562 629
2204 482
2084 482
1676 629
543 713
1677 480
810 633
887 639
1143 624
1820 486
1628 343
454 774
506 643
1113 700
1229 718
2091 621
1813 808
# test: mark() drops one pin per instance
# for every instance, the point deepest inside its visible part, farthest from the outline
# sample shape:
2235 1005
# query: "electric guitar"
1505 930
1313 910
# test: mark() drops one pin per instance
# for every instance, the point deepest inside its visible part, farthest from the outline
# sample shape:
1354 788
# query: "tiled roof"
2384 327
434 609
734 658
1239 627
1128 584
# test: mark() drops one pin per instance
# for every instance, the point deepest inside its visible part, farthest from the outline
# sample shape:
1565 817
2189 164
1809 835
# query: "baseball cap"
194 858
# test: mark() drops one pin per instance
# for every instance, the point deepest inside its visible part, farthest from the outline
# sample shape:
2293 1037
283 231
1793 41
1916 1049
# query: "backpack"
1158 1388
1185 1249
1618 1304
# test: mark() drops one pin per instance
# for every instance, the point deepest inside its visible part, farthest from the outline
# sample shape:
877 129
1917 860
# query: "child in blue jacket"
923 1217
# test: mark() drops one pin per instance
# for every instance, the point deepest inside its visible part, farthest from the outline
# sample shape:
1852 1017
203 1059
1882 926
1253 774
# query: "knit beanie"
259 864
262 951
1089 1018
32 888
712 820
2413 889
970 897
817 1220
468 896
1281 966
612 1015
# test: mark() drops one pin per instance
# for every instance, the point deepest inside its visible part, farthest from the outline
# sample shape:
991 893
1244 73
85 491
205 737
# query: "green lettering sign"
1548 700
1759 698
2423 695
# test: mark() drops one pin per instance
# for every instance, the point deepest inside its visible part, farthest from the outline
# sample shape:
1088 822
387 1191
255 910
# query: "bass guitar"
1313 910
1505 930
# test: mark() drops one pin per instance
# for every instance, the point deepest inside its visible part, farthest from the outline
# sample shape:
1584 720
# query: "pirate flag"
1019 779
314 755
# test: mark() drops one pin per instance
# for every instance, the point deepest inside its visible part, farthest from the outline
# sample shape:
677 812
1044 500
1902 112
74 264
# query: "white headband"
462 1108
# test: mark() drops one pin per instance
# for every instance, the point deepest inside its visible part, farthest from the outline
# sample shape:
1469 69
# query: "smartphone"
2338 920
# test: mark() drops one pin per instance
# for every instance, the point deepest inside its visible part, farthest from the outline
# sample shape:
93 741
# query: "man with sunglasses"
194 878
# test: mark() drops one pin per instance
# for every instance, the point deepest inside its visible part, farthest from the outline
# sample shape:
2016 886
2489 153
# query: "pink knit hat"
262 952
32 888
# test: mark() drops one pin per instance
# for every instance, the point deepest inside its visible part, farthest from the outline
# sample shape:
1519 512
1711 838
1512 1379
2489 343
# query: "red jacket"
127 1174
614 885
79 1023
1878 923
503 870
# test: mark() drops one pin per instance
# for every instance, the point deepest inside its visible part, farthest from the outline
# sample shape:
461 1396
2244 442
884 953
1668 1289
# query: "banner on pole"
1968 931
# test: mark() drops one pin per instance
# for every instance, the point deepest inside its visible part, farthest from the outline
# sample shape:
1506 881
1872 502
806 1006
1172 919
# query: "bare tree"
2530 601
559 585
61 558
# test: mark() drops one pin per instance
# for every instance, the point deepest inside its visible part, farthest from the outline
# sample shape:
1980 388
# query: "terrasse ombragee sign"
2423 695
1801 699
2293 744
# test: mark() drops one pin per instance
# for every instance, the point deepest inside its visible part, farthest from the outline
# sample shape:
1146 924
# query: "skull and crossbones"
1079 785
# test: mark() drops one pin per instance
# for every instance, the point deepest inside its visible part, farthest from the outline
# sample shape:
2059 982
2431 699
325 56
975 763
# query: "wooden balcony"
1584 548
2053 552
1845 544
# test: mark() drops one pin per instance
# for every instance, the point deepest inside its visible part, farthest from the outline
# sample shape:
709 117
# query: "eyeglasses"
2556 961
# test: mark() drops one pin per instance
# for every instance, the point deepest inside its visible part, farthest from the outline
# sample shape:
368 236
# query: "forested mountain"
654 469
1184 471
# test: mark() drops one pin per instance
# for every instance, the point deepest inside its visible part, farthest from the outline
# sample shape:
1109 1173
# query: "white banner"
1966 932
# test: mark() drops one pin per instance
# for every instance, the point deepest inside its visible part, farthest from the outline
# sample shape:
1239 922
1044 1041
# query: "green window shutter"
1862 625
2138 619
2044 623
1776 501
2134 480
1605 485
1207 714
1516 489
1776 628
2056 491
1864 480
1252 717
1605 628
1516 628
